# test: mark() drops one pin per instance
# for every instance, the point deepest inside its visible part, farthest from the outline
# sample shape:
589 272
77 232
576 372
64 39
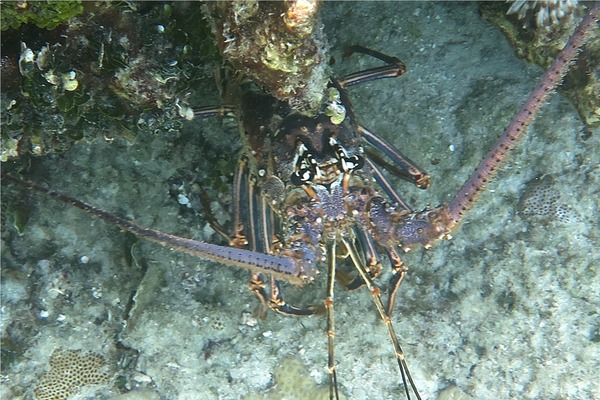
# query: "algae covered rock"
539 42
43 14
111 70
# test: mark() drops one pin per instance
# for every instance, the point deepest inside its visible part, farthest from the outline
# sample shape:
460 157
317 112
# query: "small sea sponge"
69 371
541 199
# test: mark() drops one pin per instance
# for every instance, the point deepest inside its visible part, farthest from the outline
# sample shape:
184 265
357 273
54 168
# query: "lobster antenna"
281 267
488 167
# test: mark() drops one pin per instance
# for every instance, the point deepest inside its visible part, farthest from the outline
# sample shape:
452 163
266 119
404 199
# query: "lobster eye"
301 177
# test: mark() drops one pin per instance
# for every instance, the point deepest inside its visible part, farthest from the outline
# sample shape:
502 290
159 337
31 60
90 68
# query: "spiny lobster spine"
488 167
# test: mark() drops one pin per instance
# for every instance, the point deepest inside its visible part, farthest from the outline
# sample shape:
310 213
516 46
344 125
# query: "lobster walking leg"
253 227
394 68
331 261
371 259
255 223
399 270
385 317
408 169
386 185
413 173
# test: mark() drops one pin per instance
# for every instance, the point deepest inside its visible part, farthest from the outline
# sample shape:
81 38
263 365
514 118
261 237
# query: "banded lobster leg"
373 266
399 269
385 317
400 165
255 220
394 68
254 227
361 246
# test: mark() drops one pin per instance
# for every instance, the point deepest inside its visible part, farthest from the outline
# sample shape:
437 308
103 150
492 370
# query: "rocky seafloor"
507 309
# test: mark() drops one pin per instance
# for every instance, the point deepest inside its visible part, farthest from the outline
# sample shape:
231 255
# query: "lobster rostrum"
310 188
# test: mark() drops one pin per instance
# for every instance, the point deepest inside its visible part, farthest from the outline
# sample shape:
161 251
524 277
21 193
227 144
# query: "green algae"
43 14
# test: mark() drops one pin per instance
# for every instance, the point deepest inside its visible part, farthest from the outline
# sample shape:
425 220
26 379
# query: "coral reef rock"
280 45
69 371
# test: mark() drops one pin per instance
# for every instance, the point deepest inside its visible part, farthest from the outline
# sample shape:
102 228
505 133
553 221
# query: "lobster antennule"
488 167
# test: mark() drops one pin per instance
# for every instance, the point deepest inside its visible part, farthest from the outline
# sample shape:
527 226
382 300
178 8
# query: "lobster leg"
373 266
370 259
273 298
254 222
399 270
413 172
246 223
333 388
376 293
210 218
387 187
240 182
253 227
215 111
237 240
394 68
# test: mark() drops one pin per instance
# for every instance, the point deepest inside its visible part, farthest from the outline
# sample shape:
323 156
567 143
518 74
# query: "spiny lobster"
308 196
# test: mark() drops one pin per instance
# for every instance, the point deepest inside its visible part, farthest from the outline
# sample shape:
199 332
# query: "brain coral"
69 371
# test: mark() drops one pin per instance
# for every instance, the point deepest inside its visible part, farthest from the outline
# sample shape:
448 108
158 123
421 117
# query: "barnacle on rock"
69 371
